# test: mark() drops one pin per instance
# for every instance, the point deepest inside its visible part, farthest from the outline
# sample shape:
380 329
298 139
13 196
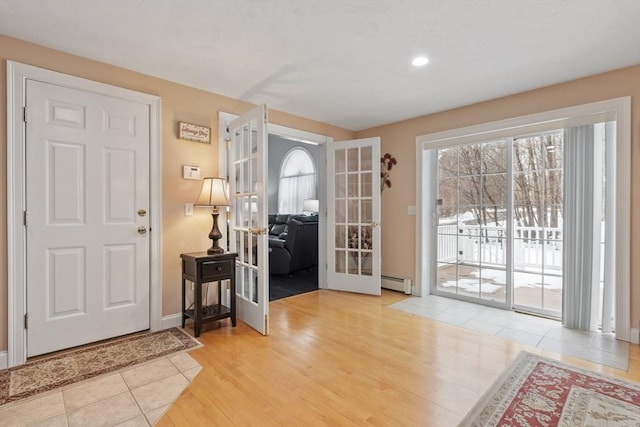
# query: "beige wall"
399 139
179 103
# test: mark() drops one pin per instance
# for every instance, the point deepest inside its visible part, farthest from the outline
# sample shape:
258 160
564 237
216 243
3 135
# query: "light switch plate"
191 172
188 209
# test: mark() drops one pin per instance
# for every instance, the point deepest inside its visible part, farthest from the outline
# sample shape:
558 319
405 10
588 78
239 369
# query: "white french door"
87 204
353 215
248 222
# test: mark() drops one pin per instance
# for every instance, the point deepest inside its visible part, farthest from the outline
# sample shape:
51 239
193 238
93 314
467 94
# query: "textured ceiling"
342 62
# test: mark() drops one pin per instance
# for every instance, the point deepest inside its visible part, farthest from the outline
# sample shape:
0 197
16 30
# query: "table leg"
183 302
232 297
197 297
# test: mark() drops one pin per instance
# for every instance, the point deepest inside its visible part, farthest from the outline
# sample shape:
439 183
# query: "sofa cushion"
306 218
278 229
276 243
282 218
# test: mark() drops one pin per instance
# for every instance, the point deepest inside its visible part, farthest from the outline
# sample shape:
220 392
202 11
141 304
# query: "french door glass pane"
354 210
340 261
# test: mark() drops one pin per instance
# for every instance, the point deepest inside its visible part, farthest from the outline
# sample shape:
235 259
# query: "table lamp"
213 194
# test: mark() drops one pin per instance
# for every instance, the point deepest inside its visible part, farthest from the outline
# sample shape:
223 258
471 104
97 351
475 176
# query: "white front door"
87 216
354 216
248 238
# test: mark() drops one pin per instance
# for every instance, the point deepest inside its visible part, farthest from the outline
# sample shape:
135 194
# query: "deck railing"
533 247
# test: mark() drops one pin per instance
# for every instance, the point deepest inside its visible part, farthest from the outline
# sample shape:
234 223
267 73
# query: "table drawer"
212 269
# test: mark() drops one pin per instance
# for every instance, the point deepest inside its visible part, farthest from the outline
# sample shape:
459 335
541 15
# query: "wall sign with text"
195 133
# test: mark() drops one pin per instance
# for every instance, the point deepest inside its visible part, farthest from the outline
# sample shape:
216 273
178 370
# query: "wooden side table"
200 268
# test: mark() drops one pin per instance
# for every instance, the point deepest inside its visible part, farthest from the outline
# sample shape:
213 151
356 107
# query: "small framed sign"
195 133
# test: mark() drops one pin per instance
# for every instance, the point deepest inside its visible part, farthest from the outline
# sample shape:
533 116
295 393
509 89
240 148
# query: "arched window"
297 181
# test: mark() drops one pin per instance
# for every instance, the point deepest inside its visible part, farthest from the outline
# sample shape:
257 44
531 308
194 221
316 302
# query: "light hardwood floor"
340 359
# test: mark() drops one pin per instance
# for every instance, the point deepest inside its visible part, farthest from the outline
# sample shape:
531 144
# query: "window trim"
618 109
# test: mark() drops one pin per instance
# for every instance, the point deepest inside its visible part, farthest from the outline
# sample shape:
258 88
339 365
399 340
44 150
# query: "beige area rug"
69 367
536 391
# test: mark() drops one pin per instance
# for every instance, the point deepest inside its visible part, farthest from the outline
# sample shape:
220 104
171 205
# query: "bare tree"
473 177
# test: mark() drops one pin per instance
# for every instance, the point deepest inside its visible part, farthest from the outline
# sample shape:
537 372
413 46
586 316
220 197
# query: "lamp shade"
213 193
311 205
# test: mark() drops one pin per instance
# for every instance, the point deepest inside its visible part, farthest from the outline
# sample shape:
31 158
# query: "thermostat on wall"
191 172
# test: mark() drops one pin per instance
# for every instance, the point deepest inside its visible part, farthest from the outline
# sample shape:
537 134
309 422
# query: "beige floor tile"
57 421
107 412
91 391
191 373
32 411
154 416
184 362
159 393
139 421
144 374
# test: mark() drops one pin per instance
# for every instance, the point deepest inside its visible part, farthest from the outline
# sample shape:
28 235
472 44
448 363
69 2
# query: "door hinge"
24 114
24 218
26 320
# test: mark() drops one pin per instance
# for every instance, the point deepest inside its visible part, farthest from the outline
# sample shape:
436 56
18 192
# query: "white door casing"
294 134
248 238
17 271
353 216
87 159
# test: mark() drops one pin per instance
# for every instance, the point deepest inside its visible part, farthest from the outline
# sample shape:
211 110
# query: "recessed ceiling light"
419 61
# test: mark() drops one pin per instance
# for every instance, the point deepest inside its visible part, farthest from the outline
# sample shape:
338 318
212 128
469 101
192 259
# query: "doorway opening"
280 139
293 207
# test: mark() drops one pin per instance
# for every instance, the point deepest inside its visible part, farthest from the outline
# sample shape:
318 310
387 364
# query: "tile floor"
136 396
526 329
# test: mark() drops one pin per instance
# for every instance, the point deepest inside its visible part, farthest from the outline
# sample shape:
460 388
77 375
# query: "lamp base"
215 235
215 250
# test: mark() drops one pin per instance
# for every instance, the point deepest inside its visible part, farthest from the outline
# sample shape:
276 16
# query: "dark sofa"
293 243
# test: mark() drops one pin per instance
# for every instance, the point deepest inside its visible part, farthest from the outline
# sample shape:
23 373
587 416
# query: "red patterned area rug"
68 367
536 391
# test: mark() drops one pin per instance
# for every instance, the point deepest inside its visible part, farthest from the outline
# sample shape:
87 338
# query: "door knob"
142 230
258 231
142 212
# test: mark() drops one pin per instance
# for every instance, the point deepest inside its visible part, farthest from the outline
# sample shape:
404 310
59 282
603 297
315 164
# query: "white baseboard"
635 335
3 360
172 321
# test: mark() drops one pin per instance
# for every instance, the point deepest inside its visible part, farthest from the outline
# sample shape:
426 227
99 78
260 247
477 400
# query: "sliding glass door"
471 218
537 223
499 222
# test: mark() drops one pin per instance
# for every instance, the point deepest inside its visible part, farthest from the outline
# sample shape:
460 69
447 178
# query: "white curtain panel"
292 192
581 244
297 181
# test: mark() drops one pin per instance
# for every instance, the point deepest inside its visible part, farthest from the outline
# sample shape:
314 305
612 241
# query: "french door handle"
258 230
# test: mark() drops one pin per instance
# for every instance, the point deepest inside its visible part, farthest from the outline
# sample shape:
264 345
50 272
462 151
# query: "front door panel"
87 176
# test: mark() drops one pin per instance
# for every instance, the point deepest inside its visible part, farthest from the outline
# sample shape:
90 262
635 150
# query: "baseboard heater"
396 284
